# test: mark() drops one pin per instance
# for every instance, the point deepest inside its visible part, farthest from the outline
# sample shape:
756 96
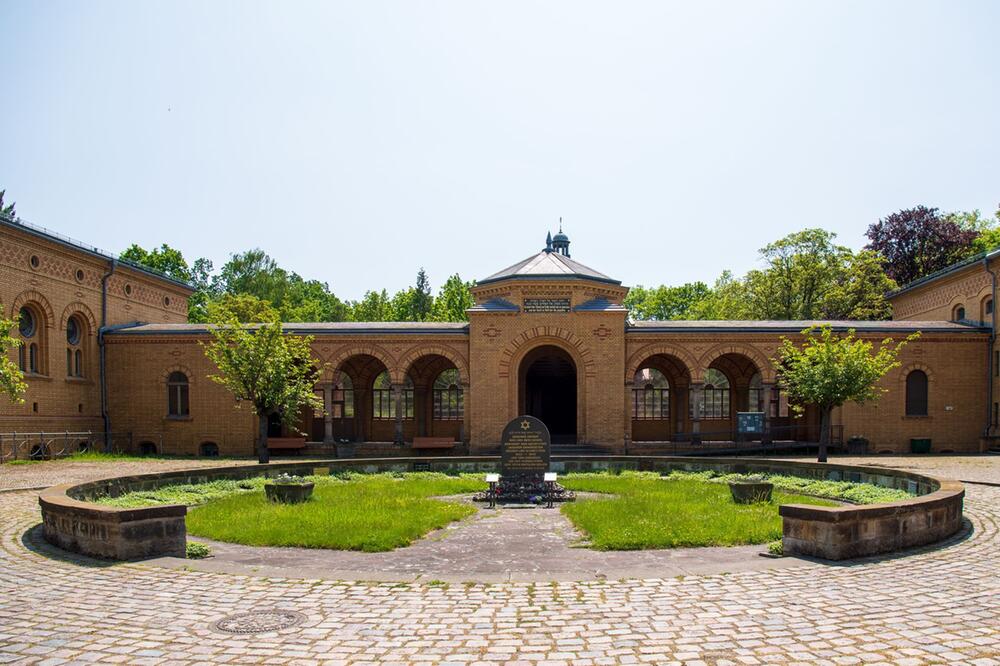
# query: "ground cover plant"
369 512
855 493
644 510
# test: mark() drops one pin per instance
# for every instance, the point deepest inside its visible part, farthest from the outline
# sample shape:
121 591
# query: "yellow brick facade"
529 331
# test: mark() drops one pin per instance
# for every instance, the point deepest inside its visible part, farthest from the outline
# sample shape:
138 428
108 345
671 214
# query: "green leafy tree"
11 377
274 372
663 302
253 272
828 370
453 300
7 209
801 268
421 300
163 259
726 300
859 290
245 308
986 228
205 292
374 306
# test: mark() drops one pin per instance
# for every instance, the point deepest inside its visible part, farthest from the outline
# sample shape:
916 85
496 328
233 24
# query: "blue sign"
749 422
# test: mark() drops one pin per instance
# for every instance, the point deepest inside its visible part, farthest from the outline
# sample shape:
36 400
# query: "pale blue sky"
358 141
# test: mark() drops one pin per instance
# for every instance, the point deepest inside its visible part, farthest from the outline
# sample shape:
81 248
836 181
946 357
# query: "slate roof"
310 328
548 266
780 326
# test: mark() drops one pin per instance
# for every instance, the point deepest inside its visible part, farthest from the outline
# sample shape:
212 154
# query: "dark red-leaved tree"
917 241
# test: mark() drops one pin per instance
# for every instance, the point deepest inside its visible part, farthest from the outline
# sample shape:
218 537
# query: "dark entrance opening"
548 391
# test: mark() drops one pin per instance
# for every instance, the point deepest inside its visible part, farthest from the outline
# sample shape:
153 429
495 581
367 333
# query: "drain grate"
257 622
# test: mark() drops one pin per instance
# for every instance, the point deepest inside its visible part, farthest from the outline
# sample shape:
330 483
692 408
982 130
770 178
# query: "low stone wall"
73 523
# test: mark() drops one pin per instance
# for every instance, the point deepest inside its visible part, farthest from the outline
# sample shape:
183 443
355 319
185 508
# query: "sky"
356 142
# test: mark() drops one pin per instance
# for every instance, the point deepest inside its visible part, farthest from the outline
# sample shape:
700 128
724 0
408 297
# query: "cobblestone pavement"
937 606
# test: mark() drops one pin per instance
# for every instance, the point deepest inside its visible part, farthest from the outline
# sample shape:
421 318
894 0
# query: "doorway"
548 391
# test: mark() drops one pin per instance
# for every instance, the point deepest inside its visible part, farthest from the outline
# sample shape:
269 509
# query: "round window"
166 301
73 331
79 275
35 261
26 323
128 290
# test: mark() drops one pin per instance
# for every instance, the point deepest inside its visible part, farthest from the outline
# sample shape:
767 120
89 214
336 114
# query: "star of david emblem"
525 425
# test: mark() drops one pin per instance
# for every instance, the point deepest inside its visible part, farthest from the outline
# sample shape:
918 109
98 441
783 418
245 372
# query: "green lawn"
644 510
376 512
379 512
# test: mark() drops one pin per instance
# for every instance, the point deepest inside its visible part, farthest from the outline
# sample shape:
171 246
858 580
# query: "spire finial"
560 224
548 241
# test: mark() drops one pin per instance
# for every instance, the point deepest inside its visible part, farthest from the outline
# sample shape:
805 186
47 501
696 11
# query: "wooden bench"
420 443
286 443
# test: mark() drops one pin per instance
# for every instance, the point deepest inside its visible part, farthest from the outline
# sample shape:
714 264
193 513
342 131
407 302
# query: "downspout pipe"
989 351
103 355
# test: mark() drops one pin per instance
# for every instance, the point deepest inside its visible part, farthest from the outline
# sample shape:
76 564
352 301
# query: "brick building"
107 349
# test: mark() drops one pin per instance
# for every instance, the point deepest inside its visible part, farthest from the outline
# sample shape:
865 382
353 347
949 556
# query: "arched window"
715 395
177 394
959 313
650 395
147 449
74 348
28 357
446 397
208 450
988 310
383 401
916 393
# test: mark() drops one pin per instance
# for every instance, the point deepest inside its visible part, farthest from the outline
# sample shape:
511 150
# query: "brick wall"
58 282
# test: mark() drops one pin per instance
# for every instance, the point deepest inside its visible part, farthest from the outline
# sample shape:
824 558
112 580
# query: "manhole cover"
256 622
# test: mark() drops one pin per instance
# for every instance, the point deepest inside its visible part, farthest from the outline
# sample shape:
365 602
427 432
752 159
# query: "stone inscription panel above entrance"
546 305
525 448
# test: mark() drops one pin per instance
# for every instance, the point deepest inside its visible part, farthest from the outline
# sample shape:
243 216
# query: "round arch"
407 361
764 365
642 355
511 355
514 378
165 375
35 298
336 360
81 309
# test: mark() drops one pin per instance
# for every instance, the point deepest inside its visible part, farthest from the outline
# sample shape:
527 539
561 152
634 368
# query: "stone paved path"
940 606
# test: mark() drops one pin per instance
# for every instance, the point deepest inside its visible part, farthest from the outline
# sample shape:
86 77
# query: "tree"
663 302
987 228
273 371
858 292
421 302
801 268
828 370
245 308
374 306
917 241
727 300
253 272
453 300
163 259
11 377
8 210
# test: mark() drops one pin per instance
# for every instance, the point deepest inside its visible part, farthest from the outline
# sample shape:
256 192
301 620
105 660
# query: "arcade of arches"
547 336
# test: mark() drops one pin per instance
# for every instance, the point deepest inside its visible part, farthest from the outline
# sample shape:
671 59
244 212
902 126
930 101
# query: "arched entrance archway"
547 391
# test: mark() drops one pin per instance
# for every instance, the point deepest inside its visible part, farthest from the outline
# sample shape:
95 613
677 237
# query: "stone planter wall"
73 523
